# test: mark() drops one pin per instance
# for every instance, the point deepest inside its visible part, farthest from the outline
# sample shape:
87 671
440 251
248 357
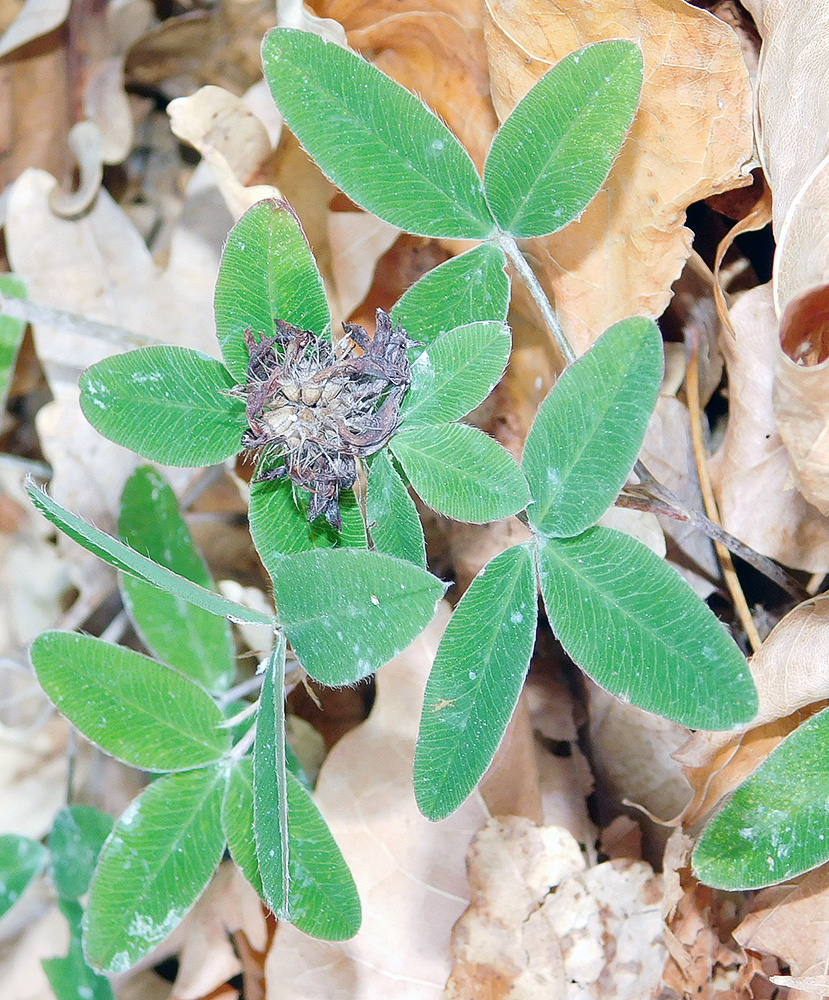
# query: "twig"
34 312
510 248
709 500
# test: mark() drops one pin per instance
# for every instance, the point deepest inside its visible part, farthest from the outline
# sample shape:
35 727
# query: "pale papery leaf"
358 240
412 882
98 267
542 925
789 921
629 246
230 138
35 18
751 471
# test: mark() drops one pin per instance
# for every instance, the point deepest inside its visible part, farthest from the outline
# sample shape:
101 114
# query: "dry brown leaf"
357 241
542 926
751 470
629 246
789 921
409 872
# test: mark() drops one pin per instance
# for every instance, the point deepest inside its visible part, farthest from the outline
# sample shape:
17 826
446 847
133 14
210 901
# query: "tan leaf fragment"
231 139
789 921
751 472
691 138
357 240
542 926
819 985
409 872
36 18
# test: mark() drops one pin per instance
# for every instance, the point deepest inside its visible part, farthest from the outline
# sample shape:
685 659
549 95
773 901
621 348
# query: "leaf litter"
140 263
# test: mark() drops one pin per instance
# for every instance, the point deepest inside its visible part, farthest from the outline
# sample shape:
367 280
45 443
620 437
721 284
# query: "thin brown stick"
709 500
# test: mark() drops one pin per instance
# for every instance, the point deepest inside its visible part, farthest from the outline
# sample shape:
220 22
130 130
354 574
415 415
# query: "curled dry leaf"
751 472
622 256
409 872
36 18
231 139
542 926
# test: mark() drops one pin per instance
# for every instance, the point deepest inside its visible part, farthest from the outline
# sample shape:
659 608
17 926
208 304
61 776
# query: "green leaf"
774 827
237 821
270 786
127 560
169 404
267 273
154 866
456 373
278 517
471 288
75 841
70 977
392 514
11 335
374 139
347 612
322 896
635 626
551 156
461 472
475 682
192 640
589 429
21 860
138 710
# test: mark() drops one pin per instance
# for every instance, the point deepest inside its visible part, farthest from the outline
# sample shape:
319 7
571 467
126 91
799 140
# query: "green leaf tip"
552 154
381 145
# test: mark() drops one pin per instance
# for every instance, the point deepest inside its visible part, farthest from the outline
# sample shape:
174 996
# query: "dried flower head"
320 406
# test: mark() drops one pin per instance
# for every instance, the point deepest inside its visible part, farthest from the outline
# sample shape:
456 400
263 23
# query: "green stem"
510 248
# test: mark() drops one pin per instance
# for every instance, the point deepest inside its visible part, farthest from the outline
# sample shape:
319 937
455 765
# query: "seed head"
315 408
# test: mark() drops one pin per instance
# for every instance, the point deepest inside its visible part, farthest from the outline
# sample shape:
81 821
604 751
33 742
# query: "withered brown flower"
320 406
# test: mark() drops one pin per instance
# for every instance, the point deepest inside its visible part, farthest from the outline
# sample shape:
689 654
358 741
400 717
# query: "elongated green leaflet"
774 826
392 514
71 977
238 821
323 898
553 153
21 860
127 560
279 526
169 404
589 429
456 373
270 787
267 273
129 705
154 866
661 647
471 288
192 640
460 472
347 612
475 682
374 139
75 841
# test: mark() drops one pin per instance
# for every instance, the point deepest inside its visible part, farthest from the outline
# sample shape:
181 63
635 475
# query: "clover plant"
348 569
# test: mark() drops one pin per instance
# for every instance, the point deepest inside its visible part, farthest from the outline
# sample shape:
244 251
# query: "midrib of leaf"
615 605
343 107
477 687
440 384
153 870
577 455
142 710
554 151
